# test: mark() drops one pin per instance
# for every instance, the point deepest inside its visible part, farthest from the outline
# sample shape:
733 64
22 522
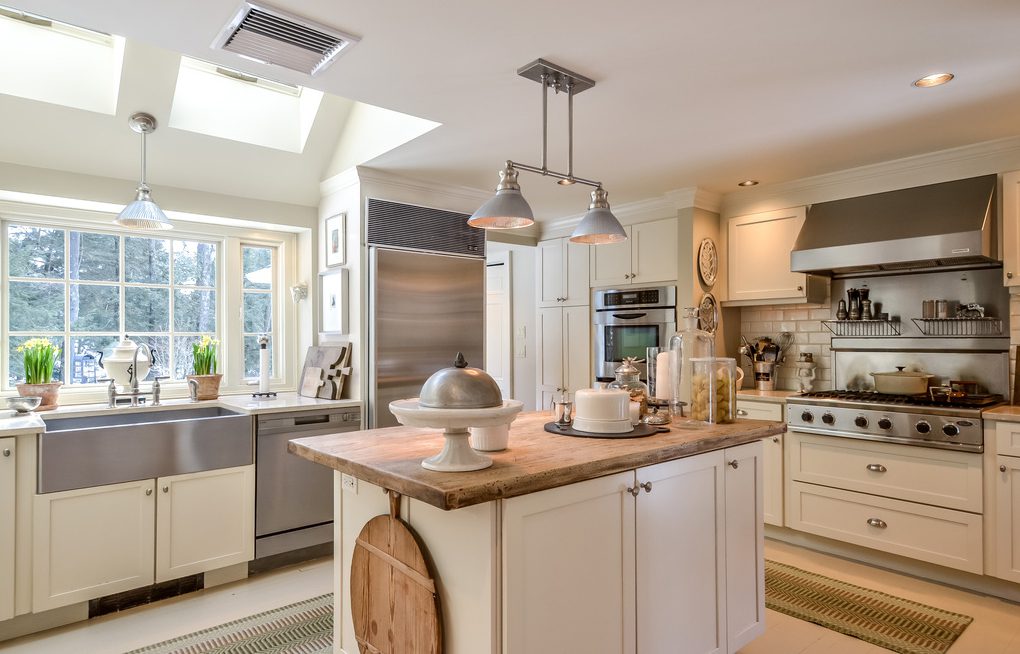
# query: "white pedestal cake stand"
457 455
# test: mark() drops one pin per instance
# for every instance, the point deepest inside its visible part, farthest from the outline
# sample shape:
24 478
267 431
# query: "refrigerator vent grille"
392 224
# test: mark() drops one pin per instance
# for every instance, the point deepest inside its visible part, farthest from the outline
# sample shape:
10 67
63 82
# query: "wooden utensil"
394 602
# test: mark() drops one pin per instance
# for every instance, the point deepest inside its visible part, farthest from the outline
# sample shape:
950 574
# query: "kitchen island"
569 544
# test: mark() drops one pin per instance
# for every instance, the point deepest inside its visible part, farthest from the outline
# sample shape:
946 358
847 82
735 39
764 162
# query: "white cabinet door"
92 542
745 546
204 521
1007 518
772 479
576 348
759 255
654 252
680 601
569 569
1007 438
8 456
1011 228
610 263
576 285
550 264
550 353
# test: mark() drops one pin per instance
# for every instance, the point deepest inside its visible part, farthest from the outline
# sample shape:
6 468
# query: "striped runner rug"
302 628
885 620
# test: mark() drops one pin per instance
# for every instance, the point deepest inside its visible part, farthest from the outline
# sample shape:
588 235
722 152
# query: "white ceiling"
688 93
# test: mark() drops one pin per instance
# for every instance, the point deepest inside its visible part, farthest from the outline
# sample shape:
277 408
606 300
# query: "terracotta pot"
48 393
208 386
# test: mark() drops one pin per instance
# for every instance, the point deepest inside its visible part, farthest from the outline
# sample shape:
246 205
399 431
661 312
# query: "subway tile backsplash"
804 322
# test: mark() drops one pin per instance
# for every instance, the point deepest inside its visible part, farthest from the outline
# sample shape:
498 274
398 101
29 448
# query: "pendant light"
509 210
143 213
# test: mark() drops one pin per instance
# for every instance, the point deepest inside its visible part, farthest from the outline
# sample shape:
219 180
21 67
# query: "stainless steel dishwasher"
293 496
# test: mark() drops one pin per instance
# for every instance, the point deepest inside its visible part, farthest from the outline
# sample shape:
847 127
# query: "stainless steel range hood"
937 226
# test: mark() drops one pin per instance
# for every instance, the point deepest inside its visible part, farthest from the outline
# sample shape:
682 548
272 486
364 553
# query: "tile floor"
995 630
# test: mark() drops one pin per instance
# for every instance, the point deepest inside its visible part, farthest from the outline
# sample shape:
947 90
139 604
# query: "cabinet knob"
647 485
775 439
7 452
741 412
877 522
1001 468
800 288
633 491
166 489
1009 275
734 464
148 491
876 467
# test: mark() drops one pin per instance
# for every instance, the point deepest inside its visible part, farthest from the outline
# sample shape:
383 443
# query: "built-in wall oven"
627 321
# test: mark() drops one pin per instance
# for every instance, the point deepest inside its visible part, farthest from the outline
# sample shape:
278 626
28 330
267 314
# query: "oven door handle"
629 316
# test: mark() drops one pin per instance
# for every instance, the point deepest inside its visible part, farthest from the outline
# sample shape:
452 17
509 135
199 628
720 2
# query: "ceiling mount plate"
142 123
539 67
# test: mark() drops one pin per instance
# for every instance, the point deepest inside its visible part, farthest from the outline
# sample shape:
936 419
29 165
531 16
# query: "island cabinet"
648 256
98 541
8 456
562 273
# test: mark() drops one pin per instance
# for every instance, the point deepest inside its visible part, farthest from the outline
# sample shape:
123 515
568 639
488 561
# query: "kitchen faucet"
136 396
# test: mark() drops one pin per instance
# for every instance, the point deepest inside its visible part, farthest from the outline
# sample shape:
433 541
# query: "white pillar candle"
635 413
663 379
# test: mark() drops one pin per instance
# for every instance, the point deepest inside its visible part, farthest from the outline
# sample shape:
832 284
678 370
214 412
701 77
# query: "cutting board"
394 602
334 363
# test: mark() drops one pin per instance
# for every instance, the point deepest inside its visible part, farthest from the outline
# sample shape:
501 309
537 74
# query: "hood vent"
936 226
273 36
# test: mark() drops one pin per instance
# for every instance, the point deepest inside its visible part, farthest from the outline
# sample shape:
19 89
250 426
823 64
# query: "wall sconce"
299 292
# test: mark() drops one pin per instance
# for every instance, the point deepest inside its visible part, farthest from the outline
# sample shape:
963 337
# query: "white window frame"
277 300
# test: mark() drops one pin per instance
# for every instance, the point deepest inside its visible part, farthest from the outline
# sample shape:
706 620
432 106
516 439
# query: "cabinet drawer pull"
1009 275
775 439
647 485
876 467
166 489
633 491
877 522
734 464
741 412
800 288
148 491
7 452
1001 468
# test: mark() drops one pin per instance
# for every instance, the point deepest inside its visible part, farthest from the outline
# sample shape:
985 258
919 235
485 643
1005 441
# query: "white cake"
602 411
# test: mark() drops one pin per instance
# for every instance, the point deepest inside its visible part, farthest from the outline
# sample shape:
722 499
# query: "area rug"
891 622
302 628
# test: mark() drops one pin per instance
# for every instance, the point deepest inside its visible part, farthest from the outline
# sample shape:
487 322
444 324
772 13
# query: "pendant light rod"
552 173
545 120
570 131
142 178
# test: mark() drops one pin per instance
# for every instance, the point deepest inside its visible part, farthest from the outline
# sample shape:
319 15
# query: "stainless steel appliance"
627 321
294 497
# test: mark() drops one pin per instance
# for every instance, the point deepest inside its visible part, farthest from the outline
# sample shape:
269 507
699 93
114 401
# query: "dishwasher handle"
297 424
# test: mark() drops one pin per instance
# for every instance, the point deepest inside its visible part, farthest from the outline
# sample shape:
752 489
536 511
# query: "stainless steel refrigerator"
423 309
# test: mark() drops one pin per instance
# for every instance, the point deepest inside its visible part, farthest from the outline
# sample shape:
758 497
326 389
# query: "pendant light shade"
507 209
143 213
599 226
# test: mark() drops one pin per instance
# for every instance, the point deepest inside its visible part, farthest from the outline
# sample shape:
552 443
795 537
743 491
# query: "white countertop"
23 424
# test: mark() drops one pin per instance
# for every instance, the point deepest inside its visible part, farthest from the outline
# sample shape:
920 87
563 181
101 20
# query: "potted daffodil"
40 355
204 363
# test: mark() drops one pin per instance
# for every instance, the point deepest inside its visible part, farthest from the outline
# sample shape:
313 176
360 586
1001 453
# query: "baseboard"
31 623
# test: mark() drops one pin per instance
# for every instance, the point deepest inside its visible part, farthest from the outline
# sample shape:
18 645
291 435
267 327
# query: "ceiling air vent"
272 36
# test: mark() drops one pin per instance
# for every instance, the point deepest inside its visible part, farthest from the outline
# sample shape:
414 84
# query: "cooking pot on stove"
902 382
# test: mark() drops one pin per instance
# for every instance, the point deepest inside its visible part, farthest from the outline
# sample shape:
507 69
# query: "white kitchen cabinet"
745 545
92 542
564 345
1007 518
562 268
648 256
1011 228
772 462
204 521
758 256
8 457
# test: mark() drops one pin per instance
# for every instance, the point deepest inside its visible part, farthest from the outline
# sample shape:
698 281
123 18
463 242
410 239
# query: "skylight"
230 104
50 61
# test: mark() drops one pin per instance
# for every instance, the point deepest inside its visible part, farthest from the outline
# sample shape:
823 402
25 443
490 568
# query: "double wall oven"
627 321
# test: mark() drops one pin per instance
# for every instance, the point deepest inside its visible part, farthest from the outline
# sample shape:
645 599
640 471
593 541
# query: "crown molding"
917 170
628 214
362 175
339 182
695 196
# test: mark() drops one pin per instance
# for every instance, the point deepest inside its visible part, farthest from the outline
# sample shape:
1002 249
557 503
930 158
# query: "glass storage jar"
714 389
690 342
628 378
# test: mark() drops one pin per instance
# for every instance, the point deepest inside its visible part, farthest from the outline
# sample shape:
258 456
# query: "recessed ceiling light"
748 182
935 79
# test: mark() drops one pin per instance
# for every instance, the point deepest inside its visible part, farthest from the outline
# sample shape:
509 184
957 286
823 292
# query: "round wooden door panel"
394 602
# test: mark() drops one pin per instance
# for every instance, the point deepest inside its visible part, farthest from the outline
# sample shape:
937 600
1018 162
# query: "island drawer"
938 477
927 533
759 410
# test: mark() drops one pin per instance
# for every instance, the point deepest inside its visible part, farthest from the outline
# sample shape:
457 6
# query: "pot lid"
460 387
900 372
628 367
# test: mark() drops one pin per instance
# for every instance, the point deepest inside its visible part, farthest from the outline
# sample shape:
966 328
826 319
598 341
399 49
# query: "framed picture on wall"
333 311
336 242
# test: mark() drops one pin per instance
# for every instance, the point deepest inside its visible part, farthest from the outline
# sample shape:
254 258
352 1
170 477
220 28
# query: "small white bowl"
490 439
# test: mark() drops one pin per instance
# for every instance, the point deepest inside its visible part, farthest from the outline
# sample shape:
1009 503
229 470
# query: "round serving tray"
640 431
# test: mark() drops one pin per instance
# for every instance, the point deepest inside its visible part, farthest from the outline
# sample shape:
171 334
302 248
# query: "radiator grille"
419 228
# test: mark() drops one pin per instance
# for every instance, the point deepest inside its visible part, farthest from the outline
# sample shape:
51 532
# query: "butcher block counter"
565 544
535 460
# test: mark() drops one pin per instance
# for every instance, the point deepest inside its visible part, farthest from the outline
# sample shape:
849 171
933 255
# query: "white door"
92 542
654 251
745 546
680 600
8 456
204 521
1007 518
759 255
569 569
550 267
499 323
610 263
550 354
576 285
576 348
772 479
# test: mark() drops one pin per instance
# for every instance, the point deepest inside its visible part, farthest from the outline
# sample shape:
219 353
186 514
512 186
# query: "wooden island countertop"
535 460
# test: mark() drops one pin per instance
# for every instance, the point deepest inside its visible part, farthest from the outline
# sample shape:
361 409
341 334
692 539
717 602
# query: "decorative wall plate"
708 313
708 262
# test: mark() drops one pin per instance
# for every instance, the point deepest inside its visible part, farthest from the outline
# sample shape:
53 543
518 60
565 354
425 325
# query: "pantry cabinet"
648 256
97 541
8 457
1011 228
562 273
758 257
564 344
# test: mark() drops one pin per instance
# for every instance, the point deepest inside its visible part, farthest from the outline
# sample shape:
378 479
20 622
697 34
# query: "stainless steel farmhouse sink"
79 452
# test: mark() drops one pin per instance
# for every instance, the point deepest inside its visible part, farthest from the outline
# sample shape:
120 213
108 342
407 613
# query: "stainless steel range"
906 419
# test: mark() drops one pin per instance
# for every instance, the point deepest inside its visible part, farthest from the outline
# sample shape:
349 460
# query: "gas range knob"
922 427
861 422
950 430
828 418
807 416
885 423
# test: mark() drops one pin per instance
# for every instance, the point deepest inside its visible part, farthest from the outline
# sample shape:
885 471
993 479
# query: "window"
83 289
257 271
